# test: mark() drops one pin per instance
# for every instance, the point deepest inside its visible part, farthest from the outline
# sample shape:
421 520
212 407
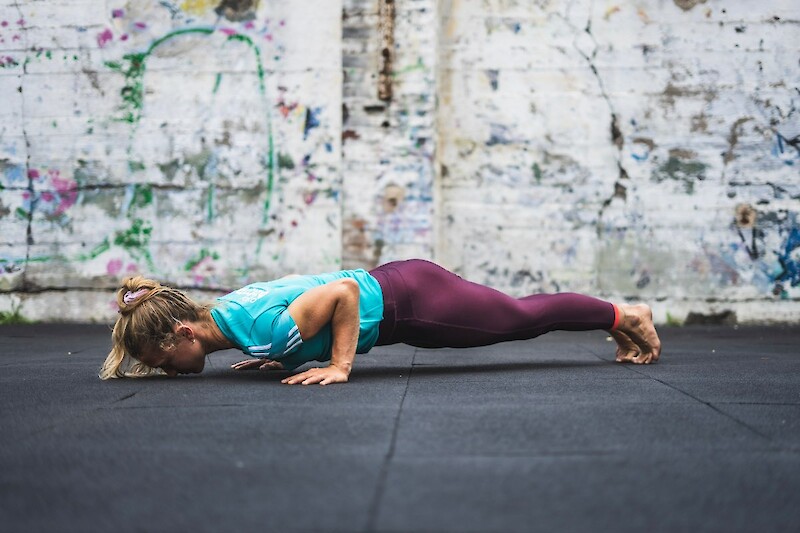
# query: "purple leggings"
429 307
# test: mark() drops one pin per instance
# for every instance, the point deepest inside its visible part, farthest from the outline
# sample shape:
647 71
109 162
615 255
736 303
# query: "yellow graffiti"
197 7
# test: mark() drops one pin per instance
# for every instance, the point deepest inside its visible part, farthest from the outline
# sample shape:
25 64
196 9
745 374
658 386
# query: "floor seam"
708 404
374 507
630 368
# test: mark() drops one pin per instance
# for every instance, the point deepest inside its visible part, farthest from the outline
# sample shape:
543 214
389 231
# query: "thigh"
446 310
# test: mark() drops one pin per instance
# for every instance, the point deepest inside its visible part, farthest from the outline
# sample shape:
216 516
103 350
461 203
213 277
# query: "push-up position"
284 323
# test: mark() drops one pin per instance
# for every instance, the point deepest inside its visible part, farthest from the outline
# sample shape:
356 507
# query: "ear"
182 330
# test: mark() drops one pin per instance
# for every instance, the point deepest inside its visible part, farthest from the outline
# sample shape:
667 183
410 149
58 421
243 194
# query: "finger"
313 379
297 378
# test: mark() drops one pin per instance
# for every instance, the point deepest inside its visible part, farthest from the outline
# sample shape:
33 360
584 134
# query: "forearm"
344 328
334 303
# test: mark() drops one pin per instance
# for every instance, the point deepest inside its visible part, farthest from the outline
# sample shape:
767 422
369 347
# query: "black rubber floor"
543 435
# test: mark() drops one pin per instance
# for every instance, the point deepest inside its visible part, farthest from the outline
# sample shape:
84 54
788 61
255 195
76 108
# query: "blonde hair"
148 312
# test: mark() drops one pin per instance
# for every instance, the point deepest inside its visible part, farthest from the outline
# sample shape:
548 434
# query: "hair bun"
134 291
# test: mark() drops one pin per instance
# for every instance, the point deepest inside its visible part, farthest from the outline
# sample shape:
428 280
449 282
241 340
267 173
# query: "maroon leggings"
429 307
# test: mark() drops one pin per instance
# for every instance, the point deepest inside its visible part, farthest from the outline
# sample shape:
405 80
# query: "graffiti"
684 172
50 196
788 258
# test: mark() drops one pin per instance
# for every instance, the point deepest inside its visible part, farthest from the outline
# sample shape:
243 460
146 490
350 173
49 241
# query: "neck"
210 336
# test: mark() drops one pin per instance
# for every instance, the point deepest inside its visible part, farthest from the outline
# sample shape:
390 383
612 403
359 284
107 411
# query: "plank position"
285 323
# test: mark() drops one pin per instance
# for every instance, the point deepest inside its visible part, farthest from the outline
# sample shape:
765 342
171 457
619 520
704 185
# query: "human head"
150 320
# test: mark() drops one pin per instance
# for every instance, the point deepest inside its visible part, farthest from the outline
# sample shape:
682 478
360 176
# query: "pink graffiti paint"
117 13
104 37
132 268
66 189
4 23
249 25
114 267
33 174
123 37
228 31
21 22
47 196
140 25
204 269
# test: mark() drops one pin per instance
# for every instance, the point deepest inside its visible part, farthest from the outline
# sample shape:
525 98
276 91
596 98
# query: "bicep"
313 309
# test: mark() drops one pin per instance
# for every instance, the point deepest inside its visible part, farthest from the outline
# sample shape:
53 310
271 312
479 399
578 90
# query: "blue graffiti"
780 149
790 266
312 120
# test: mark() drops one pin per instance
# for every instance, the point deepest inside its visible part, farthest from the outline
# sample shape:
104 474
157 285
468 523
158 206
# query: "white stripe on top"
296 341
263 347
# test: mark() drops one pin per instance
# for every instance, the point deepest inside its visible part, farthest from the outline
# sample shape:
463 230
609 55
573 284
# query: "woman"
296 319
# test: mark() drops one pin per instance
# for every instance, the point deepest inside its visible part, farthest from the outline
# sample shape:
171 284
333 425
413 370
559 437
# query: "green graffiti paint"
196 260
135 166
271 163
210 192
133 67
96 252
142 195
217 82
285 161
169 169
537 172
687 172
136 240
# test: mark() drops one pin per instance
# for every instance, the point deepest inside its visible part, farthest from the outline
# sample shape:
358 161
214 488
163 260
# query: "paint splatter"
789 259
312 120
686 172
104 37
8 62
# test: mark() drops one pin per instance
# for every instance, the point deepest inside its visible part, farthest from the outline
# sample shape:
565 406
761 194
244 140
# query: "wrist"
344 367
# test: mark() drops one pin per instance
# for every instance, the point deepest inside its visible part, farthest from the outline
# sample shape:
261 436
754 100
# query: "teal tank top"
254 318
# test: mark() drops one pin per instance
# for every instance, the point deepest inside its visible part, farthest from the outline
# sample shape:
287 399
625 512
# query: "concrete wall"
388 144
627 149
631 149
194 141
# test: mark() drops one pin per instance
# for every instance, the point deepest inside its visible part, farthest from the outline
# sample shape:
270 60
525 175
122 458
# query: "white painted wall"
605 147
163 138
632 150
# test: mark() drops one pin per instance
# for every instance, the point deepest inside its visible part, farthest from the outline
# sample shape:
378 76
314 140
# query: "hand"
323 376
261 364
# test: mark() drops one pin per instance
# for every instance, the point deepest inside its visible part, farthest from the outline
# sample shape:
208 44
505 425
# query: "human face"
186 357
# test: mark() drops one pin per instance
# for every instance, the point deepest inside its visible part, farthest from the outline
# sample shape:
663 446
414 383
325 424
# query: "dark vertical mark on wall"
386 20
745 221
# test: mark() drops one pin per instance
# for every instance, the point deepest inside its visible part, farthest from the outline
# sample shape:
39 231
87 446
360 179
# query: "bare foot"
626 349
636 323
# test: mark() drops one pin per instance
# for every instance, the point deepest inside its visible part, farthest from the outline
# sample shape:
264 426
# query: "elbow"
348 288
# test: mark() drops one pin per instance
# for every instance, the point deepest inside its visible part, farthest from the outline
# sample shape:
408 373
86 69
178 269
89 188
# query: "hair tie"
131 297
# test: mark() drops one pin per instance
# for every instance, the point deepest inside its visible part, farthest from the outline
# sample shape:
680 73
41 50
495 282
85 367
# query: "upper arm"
313 309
